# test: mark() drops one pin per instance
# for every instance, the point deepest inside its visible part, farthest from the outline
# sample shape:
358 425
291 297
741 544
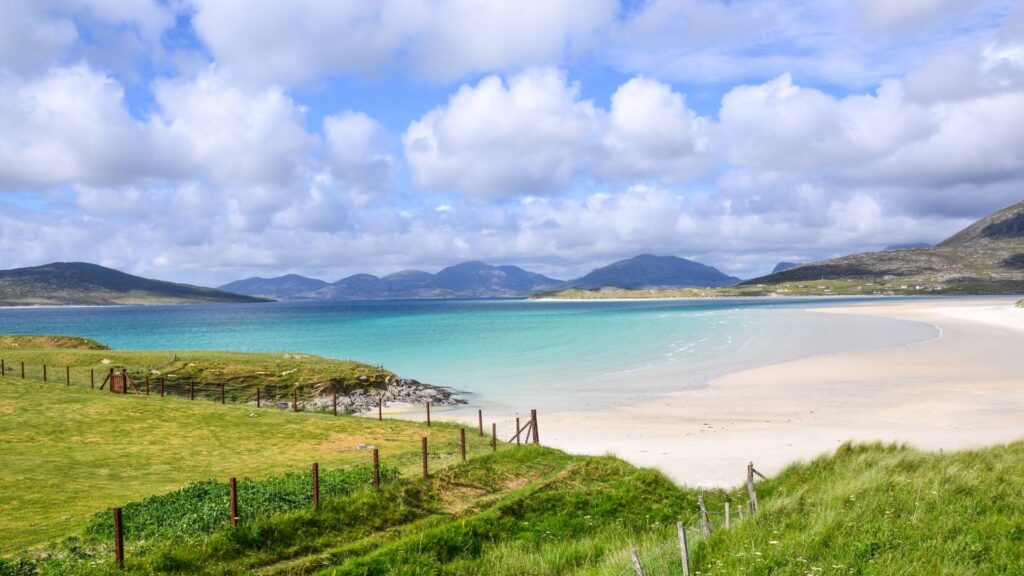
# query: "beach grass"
69 452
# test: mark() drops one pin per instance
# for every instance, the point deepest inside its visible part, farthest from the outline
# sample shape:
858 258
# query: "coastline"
959 390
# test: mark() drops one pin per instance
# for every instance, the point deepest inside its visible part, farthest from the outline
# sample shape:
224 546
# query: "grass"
802 288
239 372
1020 304
69 452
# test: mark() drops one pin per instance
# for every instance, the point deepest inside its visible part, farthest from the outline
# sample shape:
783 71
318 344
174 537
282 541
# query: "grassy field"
68 452
240 372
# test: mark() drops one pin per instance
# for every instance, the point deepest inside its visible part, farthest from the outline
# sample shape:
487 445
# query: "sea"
504 353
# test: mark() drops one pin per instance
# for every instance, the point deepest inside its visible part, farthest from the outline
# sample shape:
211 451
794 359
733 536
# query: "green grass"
239 372
68 452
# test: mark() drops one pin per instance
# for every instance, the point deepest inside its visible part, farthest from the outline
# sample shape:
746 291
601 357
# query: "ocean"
503 353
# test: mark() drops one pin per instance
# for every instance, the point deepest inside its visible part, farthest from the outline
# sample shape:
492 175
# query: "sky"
211 140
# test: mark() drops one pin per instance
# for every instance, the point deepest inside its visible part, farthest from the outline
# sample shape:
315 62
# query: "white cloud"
438 40
534 135
357 152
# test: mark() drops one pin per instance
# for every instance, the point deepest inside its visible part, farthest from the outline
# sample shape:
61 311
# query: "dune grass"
69 452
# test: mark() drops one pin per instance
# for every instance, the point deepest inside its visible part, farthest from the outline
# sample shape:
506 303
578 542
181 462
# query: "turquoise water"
501 352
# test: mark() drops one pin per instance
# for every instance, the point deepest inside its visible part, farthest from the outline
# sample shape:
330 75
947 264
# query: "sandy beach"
962 389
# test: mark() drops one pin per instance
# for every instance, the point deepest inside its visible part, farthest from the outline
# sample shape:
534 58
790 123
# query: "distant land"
987 257
784 266
480 280
80 283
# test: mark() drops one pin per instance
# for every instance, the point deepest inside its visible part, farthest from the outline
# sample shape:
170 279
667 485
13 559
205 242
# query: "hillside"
648 271
985 257
80 283
465 280
280 288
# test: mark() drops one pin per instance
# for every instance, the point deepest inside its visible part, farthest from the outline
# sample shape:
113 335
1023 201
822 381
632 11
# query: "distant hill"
279 288
908 246
466 280
80 283
985 257
783 266
648 271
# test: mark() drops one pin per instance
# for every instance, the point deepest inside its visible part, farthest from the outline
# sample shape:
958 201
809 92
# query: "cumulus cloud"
438 40
535 135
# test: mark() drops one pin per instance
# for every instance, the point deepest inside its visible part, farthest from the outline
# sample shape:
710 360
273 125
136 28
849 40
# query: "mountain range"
480 280
985 257
81 283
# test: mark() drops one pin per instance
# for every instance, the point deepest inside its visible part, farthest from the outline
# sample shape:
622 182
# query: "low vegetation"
803 288
69 452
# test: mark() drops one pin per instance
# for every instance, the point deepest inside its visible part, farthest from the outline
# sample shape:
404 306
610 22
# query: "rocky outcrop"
395 390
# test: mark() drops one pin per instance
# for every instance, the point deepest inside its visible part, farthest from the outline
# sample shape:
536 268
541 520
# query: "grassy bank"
868 509
239 372
805 288
68 452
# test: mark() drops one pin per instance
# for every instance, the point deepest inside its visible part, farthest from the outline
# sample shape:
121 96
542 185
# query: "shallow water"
503 353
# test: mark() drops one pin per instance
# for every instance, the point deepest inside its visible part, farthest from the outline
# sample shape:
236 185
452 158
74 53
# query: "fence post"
536 434
462 440
380 409
23 370
494 437
147 384
376 469
334 404
124 381
705 524
295 400
684 551
750 488
257 396
92 378
726 513
428 413
636 562
222 393
161 386
44 372
3 368
480 416
118 538
316 485
233 484
517 432
191 389
67 375
426 472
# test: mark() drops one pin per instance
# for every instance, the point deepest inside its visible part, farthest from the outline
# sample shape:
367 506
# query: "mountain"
80 283
466 280
647 271
477 276
908 246
284 287
985 257
783 266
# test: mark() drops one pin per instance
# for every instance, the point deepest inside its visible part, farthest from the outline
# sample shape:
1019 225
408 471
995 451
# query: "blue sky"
209 140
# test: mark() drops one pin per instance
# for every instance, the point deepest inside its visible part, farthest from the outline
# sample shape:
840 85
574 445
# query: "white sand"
964 389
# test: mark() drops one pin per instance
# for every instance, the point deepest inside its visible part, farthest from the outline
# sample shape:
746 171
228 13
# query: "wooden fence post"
536 434
426 472
23 370
462 441
147 384
380 408
636 562
750 488
161 386
257 396
726 513
67 375
118 538
124 381
92 378
334 404
705 524
376 469
517 431
428 413
3 368
494 437
316 485
480 416
44 372
295 400
233 485
222 393
191 389
684 551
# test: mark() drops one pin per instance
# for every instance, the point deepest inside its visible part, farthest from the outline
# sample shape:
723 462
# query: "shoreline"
958 390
